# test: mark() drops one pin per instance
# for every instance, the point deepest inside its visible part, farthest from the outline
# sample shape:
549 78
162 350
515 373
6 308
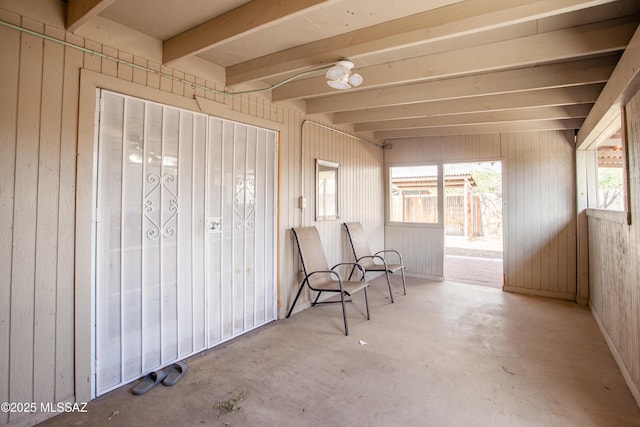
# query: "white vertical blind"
167 285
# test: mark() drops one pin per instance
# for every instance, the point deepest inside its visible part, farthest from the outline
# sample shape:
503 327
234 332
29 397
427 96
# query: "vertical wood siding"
539 204
38 142
360 195
10 48
614 274
421 248
540 223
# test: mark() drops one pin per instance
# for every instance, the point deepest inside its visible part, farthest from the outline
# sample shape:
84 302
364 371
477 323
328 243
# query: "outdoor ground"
474 262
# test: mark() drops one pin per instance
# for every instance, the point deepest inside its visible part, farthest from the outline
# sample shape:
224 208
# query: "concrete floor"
447 354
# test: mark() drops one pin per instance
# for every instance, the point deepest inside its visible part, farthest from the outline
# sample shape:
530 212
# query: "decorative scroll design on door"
244 203
153 211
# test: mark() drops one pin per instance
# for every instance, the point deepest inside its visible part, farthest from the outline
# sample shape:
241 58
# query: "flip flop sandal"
150 380
176 371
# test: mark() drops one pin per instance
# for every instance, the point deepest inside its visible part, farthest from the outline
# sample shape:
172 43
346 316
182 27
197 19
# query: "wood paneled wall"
540 213
360 195
38 82
614 271
421 249
444 149
39 127
539 204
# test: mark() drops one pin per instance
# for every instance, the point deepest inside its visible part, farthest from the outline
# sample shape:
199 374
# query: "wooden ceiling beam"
623 84
581 41
587 94
458 19
522 114
532 78
243 20
477 129
80 11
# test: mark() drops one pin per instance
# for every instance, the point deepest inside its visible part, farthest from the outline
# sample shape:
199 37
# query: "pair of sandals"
167 377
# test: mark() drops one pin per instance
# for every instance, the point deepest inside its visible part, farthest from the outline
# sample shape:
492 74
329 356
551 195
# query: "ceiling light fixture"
340 76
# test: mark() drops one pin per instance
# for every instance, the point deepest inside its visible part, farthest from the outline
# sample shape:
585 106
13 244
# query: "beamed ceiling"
430 67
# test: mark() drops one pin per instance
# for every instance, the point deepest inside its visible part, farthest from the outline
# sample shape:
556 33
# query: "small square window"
413 194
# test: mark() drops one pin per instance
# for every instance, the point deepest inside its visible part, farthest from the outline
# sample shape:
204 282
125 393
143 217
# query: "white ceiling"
430 67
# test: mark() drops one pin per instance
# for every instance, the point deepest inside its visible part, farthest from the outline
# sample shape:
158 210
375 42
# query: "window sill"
620 217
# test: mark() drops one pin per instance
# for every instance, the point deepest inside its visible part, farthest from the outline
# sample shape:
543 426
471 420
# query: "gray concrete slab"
447 354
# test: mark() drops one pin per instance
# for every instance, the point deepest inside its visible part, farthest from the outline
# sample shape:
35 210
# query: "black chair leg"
315 301
366 303
344 314
295 300
389 285
352 270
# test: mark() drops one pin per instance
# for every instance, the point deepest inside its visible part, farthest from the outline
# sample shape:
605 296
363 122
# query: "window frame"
335 200
592 190
440 195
